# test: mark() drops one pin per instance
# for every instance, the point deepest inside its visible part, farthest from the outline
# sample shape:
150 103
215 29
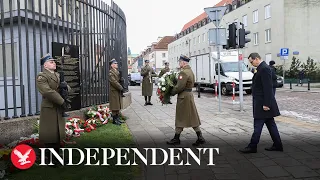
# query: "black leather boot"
115 120
175 140
200 139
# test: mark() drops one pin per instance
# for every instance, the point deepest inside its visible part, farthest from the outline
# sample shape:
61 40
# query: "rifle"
121 81
63 87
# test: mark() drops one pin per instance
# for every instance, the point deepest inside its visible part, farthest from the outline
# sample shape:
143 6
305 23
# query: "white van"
206 71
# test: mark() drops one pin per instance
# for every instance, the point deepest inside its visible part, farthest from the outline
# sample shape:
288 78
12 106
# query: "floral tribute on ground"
95 117
165 86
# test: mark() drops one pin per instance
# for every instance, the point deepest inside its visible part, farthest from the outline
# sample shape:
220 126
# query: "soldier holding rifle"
115 91
147 84
52 124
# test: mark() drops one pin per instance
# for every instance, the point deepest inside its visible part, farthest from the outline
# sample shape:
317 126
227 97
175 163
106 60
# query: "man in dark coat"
147 83
186 110
265 106
51 125
274 76
115 91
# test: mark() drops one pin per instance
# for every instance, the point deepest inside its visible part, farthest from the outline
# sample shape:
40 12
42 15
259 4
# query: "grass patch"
107 136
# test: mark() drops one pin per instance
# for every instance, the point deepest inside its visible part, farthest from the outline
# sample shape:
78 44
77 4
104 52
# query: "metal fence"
28 30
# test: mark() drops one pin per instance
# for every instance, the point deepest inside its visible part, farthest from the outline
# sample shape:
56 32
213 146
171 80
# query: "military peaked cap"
46 58
113 61
184 58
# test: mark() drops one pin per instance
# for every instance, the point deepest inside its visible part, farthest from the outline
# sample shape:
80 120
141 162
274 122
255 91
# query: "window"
199 39
268 58
204 37
194 41
255 38
163 55
255 16
267 11
268 35
245 20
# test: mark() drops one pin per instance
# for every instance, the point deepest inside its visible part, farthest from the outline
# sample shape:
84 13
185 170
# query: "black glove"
63 85
65 106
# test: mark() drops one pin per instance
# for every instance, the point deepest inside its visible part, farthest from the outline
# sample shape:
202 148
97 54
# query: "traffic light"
232 42
242 37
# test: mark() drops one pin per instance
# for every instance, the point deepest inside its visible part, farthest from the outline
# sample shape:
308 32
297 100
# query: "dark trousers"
273 130
274 91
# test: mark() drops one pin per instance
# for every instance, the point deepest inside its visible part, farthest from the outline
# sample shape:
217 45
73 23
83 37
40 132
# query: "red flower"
87 129
94 125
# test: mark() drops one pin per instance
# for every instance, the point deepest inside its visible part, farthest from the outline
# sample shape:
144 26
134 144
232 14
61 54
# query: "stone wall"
13 129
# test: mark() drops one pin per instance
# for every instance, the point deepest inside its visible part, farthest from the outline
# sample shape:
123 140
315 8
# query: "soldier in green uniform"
52 124
147 83
186 111
115 91
163 71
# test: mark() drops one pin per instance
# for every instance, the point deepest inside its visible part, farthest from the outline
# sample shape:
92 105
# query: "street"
301 105
230 130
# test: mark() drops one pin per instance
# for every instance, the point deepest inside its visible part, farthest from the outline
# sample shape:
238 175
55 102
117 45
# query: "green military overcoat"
115 90
186 111
147 83
52 124
163 71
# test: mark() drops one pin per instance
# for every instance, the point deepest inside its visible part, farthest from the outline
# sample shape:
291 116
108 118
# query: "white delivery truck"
205 69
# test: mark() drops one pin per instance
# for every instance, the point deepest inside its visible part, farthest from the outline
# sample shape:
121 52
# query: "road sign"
284 52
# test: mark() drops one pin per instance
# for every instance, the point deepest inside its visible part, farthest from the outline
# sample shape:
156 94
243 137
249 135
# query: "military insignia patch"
180 77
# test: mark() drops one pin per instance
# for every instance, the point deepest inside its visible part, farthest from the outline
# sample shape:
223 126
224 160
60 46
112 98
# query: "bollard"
308 85
216 89
290 84
233 91
198 90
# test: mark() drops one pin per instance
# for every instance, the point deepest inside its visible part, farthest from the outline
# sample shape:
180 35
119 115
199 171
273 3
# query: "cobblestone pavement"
228 130
298 104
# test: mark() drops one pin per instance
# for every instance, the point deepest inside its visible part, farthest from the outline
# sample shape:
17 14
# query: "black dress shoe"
149 103
145 104
248 150
273 148
169 102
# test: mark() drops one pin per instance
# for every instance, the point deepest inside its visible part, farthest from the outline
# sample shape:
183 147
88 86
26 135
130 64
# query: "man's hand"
266 108
63 85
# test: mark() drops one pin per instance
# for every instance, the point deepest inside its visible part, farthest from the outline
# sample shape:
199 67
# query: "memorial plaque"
71 70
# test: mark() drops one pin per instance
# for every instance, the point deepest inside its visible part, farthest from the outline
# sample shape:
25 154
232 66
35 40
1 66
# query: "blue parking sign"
284 52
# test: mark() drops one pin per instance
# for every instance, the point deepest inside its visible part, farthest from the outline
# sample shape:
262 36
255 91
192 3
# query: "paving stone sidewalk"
228 130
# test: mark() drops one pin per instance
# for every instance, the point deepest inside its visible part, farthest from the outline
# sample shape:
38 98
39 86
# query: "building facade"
274 24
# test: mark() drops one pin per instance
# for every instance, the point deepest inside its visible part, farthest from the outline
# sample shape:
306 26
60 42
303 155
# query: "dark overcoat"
52 124
147 83
186 111
115 90
262 92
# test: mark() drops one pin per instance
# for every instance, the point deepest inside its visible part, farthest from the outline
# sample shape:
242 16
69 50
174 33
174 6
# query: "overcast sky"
148 19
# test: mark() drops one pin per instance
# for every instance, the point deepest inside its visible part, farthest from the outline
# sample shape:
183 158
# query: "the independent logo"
23 156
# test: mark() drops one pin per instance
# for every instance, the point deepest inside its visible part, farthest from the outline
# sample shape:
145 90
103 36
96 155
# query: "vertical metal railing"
98 29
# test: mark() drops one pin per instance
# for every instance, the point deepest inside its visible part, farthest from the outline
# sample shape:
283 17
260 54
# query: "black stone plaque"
71 70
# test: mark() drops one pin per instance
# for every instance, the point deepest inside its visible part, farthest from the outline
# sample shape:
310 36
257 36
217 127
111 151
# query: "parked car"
135 79
280 81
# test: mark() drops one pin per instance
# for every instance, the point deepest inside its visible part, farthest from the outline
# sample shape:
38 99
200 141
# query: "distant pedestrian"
265 106
274 76
300 77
